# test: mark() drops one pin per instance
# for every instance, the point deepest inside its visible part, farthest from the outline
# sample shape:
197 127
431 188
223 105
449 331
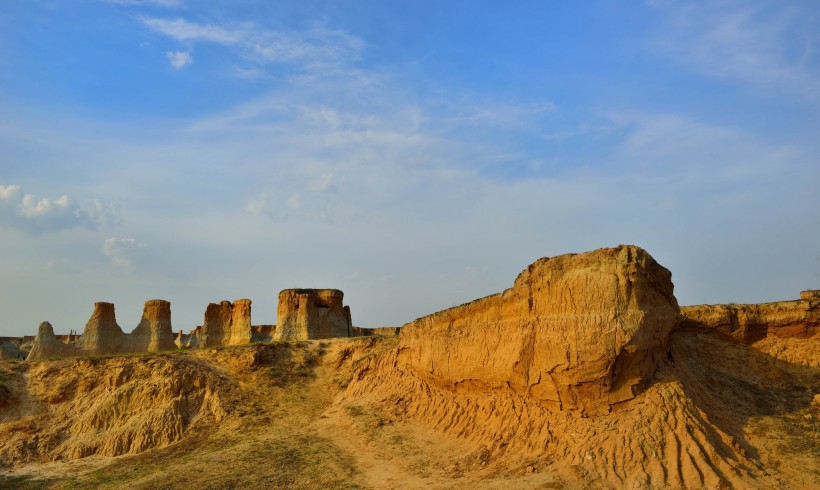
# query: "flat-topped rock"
226 323
154 332
305 314
102 335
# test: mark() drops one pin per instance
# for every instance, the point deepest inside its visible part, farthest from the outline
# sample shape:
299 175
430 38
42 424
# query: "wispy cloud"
123 252
183 30
179 59
36 215
766 46
313 48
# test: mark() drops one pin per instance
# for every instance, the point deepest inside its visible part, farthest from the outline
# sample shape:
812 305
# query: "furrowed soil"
310 415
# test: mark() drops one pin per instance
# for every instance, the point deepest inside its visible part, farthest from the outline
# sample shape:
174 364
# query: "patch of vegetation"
354 410
24 483
292 368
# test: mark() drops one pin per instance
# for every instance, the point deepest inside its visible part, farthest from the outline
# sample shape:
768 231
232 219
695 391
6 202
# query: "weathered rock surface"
46 345
239 332
226 323
194 339
154 332
305 314
575 332
580 335
748 323
73 408
776 328
102 335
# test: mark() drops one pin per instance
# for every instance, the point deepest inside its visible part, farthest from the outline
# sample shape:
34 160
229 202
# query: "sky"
414 154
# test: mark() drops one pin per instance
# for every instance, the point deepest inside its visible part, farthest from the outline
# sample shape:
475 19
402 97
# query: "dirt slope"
338 414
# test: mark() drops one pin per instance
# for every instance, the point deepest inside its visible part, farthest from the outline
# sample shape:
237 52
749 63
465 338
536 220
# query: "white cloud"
9 192
36 215
179 59
123 252
32 207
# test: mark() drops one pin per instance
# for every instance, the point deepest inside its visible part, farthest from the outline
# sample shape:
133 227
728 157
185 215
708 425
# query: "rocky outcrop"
305 314
749 323
239 332
154 332
575 332
226 323
102 335
46 345
194 339
112 406
779 328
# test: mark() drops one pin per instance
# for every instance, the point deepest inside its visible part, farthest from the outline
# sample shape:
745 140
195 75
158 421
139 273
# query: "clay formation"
778 329
226 323
46 344
305 314
154 332
575 332
102 335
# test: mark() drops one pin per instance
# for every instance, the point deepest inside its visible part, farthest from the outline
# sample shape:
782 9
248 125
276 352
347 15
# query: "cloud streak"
742 41
312 49
123 252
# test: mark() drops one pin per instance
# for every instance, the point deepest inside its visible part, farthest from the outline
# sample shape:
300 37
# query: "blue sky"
414 154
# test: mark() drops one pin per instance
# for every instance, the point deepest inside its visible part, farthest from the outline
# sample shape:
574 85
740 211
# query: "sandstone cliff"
240 332
305 314
575 332
579 369
774 328
46 345
154 332
102 335
226 323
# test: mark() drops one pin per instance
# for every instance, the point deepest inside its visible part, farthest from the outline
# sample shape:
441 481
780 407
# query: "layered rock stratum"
575 332
305 314
154 332
579 366
101 335
226 323
777 328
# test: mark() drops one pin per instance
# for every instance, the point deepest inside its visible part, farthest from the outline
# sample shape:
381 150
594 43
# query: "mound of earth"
73 408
